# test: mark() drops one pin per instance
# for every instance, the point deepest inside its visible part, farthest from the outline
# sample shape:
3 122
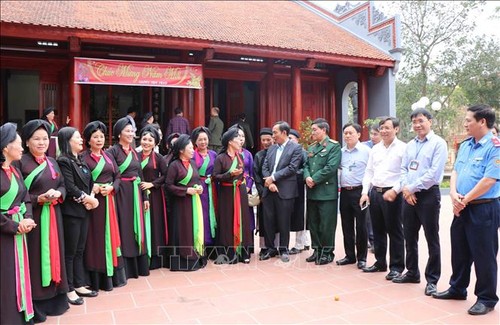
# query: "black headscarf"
179 145
91 128
30 128
146 117
236 126
47 111
266 131
119 126
7 135
166 146
196 133
153 131
229 135
295 133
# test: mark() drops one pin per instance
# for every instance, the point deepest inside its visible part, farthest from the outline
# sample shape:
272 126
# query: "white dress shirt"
353 165
430 156
279 151
384 166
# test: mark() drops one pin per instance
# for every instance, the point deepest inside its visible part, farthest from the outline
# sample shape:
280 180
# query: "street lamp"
423 102
436 106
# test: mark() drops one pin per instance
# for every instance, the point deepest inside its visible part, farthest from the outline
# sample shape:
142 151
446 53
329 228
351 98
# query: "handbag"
253 199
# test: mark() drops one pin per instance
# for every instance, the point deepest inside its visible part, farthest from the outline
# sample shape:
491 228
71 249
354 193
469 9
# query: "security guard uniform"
323 160
474 234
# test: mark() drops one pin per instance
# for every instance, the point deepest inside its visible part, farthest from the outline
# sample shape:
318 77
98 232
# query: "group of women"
93 218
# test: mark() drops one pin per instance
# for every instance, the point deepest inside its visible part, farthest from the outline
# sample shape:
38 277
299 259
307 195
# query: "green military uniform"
323 160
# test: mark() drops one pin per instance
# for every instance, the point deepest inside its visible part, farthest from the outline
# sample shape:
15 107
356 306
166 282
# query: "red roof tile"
275 24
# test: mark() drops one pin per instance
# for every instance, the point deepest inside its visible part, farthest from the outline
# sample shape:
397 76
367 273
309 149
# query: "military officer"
320 175
475 192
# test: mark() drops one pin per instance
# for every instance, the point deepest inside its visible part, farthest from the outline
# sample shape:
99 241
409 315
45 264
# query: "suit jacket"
258 161
285 176
216 128
77 179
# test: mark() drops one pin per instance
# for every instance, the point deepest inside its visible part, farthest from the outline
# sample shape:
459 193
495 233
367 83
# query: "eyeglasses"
421 121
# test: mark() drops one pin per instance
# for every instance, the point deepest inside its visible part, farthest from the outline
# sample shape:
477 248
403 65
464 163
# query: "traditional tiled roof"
266 24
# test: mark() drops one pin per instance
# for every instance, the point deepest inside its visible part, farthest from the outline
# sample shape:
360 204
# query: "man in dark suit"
280 167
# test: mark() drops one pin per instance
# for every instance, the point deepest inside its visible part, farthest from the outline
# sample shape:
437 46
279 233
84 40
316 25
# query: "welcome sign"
135 73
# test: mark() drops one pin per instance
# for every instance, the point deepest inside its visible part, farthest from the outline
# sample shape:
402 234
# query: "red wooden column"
74 93
332 108
199 106
270 96
296 98
75 99
363 102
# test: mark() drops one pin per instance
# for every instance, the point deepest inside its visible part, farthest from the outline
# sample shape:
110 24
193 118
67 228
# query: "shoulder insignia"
333 141
496 141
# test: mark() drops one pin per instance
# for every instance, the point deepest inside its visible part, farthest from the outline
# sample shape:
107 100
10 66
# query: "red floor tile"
142 315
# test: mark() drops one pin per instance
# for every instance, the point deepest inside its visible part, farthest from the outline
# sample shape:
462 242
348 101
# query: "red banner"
133 73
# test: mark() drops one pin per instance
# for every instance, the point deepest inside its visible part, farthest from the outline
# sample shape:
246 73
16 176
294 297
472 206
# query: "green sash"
147 217
138 226
34 173
23 282
237 206
204 166
197 214
123 167
144 162
112 247
211 207
188 176
98 168
44 229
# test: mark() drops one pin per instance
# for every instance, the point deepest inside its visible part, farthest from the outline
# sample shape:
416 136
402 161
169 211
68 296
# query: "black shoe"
405 278
430 289
294 251
345 261
392 275
284 257
374 268
448 295
267 255
479 309
78 301
244 259
361 265
313 257
262 252
90 294
323 260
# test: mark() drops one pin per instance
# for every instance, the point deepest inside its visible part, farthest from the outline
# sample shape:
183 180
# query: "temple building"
272 60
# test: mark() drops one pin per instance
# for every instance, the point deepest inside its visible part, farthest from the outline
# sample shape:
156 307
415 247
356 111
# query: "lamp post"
423 102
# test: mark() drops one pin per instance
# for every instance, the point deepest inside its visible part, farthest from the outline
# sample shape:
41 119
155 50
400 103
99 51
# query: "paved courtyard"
271 292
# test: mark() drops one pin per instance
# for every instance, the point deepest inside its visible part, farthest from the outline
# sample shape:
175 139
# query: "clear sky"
485 20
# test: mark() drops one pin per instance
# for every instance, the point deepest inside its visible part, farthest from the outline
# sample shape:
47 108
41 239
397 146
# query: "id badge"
413 165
